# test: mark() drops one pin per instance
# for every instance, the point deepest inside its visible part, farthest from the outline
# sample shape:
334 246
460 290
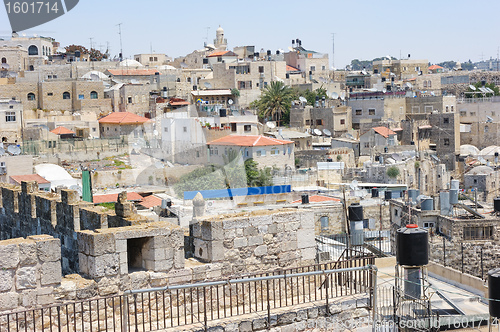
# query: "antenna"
121 46
14 150
335 95
327 132
317 132
333 50
230 101
270 125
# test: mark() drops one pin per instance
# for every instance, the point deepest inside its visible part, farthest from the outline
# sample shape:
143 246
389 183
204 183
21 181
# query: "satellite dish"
302 99
490 119
317 132
14 150
342 95
159 165
472 87
270 125
5 66
155 132
207 85
354 185
335 95
384 90
2 152
12 74
230 101
327 132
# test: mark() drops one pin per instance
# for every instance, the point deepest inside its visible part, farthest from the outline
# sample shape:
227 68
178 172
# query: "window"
486 129
472 113
31 96
244 85
10 116
4 60
452 108
308 122
446 120
325 221
247 128
81 97
129 100
313 68
155 58
371 111
261 153
447 141
323 68
66 95
50 94
185 129
261 69
319 122
165 129
478 232
446 108
32 50
396 213
463 113
429 84
425 84
150 58
93 95
367 144
275 151
475 181
359 112
342 121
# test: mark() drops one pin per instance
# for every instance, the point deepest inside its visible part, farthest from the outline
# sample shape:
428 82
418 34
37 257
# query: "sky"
438 31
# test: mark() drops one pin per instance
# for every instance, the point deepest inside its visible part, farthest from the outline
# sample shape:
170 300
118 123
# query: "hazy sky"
435 30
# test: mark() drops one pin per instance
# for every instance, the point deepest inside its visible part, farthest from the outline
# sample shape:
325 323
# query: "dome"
95 75
489 151
219 29
130 63
480 170
166 67
469 150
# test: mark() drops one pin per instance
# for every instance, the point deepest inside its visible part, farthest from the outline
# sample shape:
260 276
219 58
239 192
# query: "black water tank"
496 204
355 212
374 192
305 199
268 52
412 246
388 194
494 292
169 202
222 113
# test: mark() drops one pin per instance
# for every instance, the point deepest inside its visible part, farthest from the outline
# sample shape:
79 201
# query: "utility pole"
333 50
121 47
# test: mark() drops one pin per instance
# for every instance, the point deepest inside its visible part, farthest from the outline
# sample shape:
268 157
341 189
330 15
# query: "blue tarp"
224 193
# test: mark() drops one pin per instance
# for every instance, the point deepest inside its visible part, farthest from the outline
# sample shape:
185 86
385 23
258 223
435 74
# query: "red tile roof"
29 177
150 201
179 103
132 72
290 68
249 140
123 118
433 67
222 53
384 131
62 131
113 198
319 199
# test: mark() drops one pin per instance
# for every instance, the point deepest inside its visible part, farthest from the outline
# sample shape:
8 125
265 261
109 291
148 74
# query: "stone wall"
256 241
29 270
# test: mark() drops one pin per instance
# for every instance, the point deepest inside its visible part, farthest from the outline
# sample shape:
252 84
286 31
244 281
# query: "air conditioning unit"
3 170
262 75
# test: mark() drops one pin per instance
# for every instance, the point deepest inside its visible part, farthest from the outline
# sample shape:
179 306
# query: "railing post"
374 298
462 246
327 305
444 252
268 305
124 304
482 266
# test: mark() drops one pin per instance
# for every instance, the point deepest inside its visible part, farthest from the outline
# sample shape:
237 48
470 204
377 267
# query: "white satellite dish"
2 152
317 132
354 185
327 132
5 66
14 150
342 95
302 99
335 95
472 87
207 85
155 132
230 101
490 119
384 90
270 125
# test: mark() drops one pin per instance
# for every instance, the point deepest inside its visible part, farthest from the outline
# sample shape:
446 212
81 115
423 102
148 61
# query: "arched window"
93 95
66 95
4 60
31 96
32 50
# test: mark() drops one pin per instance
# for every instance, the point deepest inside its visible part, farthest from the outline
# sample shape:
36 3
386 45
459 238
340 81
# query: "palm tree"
275 100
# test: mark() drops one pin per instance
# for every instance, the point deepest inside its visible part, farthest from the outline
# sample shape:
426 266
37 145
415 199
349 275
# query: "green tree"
257 177
393 172
276 99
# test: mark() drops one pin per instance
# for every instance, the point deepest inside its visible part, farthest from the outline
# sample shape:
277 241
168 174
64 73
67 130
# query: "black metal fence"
376 243
175 306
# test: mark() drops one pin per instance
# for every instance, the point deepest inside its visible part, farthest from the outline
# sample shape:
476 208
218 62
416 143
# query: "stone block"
255 240
103 243
272 229
229 234
288 246
9 301
49 250
300 326
50 273
287 258
287 318
104 265
83 263
308 253
231 327
301 315
312 313
215 251
245 326
67 290
212 231
179 260
178 277
9 255
240 242
260 251
154 254
160 265
214 271
26 277
259 324
216 329
121 245
250 231
6 280
27 253
292 226
27 298
305 238
135 280
107 286
261 220
69 196
158 279
177 238
201 249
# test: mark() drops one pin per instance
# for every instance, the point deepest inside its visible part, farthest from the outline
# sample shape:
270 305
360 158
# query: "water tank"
222 113
374 192
453 196
444 203
455 184
305 199
388 194
412 247
166 203
355 212
357 234
412 195
496 204
427 204
494 292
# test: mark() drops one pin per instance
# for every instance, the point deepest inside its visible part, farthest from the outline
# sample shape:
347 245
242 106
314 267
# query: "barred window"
478 232
10 116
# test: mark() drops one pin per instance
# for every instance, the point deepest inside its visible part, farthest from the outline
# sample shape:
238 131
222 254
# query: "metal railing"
175 306
376 243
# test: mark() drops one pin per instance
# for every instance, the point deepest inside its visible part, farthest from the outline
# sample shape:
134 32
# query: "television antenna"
121 46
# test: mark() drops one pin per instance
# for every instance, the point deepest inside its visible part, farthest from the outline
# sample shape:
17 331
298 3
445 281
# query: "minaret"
220 42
